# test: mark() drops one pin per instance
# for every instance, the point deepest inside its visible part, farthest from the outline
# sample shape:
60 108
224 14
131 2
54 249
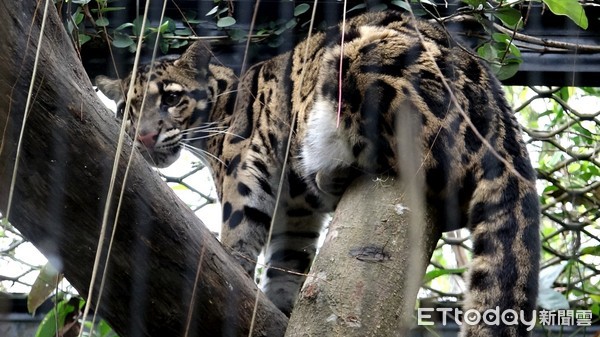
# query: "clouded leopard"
392 67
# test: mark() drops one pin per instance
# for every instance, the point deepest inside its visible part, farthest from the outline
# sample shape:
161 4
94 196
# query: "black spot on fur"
257 216
391 17
301 258
510 143
198 94
377 100
249 113
243 189
226 211
230 105
492 166
264 185
296 183
467 188
222 85
233 165
530 207
262 168
313 201
273 141
510 195
483 212
483 244
473 71
437 176
404 60
472 141
235 219
480 280
432 92
523 166
299 212
358 148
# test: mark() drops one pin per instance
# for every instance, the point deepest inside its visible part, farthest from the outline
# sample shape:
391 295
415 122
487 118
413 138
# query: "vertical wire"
284 166
113 174
26 113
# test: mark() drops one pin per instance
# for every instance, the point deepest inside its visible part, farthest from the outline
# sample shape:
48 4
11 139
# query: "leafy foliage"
562 128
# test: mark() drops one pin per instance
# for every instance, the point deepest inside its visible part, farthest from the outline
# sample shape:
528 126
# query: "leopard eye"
171 98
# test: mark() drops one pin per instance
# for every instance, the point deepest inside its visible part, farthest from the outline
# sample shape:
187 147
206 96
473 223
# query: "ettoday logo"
473 317
506 317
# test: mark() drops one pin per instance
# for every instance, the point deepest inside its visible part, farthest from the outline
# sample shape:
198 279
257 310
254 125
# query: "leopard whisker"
214 133
203 128
202 153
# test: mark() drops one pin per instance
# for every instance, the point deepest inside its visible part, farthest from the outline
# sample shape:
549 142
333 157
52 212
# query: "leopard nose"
148 139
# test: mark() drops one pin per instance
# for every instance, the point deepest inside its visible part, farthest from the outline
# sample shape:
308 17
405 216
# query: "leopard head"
168 97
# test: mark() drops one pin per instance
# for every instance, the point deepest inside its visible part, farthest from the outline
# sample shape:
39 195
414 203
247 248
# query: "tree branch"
64 166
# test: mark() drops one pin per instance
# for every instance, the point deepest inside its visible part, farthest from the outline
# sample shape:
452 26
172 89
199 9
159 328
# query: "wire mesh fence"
562 129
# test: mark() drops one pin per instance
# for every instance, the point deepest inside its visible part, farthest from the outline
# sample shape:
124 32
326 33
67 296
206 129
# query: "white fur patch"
324 147
173 87
201 104
166 135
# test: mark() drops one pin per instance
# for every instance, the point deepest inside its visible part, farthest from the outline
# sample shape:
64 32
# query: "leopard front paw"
336 181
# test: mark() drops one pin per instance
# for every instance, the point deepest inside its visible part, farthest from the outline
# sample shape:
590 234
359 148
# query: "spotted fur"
393 68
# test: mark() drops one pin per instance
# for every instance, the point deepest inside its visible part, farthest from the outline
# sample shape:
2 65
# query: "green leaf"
125 25
178 43
357 7
291 24
549 274
301 9
102 22
429 2
183 32
378 8
550 299
108 9
225 22
78 17
105 329
595 309
83 38
212 11
487 52
163 45
510 17
401 3
137 26
47 327
570 8
43 286
440 272
507 71
168 26
237 35
121 40
591 251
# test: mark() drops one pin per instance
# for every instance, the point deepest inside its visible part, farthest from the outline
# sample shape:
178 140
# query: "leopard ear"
196 58
111 88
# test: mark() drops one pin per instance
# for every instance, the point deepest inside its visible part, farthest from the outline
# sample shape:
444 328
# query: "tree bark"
365 279
65 164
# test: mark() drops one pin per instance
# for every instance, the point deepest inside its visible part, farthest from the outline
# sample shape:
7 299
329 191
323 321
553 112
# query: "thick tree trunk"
61 186
365 279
